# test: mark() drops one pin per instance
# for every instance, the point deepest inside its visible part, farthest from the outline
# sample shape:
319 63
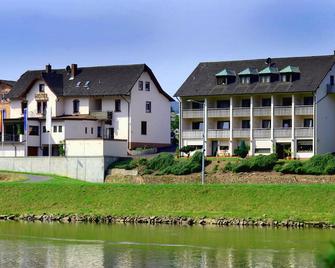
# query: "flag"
25 119
48 119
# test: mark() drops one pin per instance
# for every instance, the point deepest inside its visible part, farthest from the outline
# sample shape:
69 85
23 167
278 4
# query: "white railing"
218 112
283 132
241 111
102 115
304 110
192 134
303 132
241 133
262 111
261 133
218 133
193 113
282 110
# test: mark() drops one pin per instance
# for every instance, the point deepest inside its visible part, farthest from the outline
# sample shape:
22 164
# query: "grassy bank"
64 196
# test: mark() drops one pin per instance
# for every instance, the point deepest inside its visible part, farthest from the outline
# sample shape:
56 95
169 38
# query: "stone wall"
92 169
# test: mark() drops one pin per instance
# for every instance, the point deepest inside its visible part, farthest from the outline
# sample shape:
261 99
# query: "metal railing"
218 133
11 138
262 133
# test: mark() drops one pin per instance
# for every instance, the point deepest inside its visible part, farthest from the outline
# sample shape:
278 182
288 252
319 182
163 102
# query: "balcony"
192 134
241 133
218 133
241 111
218 112
303 132
12 138
102 115
262 111
262 133
304 110
283 132
282 110
193 113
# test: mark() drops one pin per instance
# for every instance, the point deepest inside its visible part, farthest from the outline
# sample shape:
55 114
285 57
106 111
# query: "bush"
160 161
318 163
187 149
242 150
255 163
291 167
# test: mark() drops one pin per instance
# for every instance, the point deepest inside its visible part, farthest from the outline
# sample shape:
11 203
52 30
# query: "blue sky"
171 36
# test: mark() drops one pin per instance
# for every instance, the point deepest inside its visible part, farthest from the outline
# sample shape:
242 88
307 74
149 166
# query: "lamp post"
204 137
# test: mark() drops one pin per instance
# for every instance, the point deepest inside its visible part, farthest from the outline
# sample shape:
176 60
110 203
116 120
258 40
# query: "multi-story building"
5 87
102 110
283 105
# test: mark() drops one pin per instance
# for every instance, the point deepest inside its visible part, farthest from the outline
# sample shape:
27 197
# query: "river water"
117 245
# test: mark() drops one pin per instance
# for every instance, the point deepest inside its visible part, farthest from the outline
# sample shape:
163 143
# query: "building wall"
12 150
83 107
75 129
325 119
158 121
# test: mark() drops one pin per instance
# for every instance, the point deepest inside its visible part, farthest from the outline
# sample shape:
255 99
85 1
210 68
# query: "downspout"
128 120
180 123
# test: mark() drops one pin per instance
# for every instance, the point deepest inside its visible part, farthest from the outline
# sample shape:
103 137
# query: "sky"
171 36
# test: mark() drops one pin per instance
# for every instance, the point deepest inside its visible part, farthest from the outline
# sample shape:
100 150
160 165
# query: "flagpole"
2 130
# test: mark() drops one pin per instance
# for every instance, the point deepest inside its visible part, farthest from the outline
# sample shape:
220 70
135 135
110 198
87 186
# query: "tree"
242 150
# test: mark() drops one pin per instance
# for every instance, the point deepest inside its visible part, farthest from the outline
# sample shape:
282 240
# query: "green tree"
242 150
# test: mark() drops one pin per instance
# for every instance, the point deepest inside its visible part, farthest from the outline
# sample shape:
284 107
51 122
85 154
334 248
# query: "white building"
96 111
285 105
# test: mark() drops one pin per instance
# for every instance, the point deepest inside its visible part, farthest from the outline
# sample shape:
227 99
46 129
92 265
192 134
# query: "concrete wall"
13 150
90 169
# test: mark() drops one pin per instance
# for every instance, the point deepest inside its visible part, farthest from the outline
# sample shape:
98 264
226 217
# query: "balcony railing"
304 110
262 133
241 133
283 132
192 134
218 112
193 113
302 132
12 138
282 110
262 111
241 111
218 133
102 115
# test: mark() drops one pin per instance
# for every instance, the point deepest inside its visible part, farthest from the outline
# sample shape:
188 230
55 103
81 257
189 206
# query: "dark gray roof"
8 82
202 81
104 81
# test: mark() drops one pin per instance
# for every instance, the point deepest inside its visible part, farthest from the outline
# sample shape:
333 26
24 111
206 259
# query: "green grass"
65 196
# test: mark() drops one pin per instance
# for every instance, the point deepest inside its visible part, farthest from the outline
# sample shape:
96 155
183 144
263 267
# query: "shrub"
187 149
318 163
255 163
229 166
291 167
160 161
242 150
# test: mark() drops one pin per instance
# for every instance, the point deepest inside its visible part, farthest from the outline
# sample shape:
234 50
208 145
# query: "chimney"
48 68
73 70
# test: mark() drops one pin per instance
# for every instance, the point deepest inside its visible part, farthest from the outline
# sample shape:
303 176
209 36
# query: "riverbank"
292 204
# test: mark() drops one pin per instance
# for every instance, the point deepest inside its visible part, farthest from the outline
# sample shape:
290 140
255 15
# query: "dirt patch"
10 177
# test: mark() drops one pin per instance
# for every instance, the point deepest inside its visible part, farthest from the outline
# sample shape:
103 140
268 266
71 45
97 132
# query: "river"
117 245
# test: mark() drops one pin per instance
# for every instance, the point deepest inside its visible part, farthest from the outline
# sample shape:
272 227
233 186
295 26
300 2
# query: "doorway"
283 149
214 148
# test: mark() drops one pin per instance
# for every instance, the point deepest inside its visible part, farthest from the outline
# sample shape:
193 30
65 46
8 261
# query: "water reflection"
120 246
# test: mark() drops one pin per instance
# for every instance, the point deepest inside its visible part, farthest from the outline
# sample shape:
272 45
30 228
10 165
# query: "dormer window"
225 77
289 74
41 88
269 74
248 76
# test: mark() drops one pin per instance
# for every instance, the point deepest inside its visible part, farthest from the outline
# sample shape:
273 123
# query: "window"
41 107
92 130
60 129
266 123
262 150
245 123
266 102
245 103
223 125
140 85
308 100
144 128
148 106
110 133
265 79
221 80
99 132
308 122
285 77
304 145
147 86
245 80
33 130
197 125
118 105
41 88
332 80
223 147
23 106
287 123
85 130
223 104
44 129
76 104
287 101
196 105
55 129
